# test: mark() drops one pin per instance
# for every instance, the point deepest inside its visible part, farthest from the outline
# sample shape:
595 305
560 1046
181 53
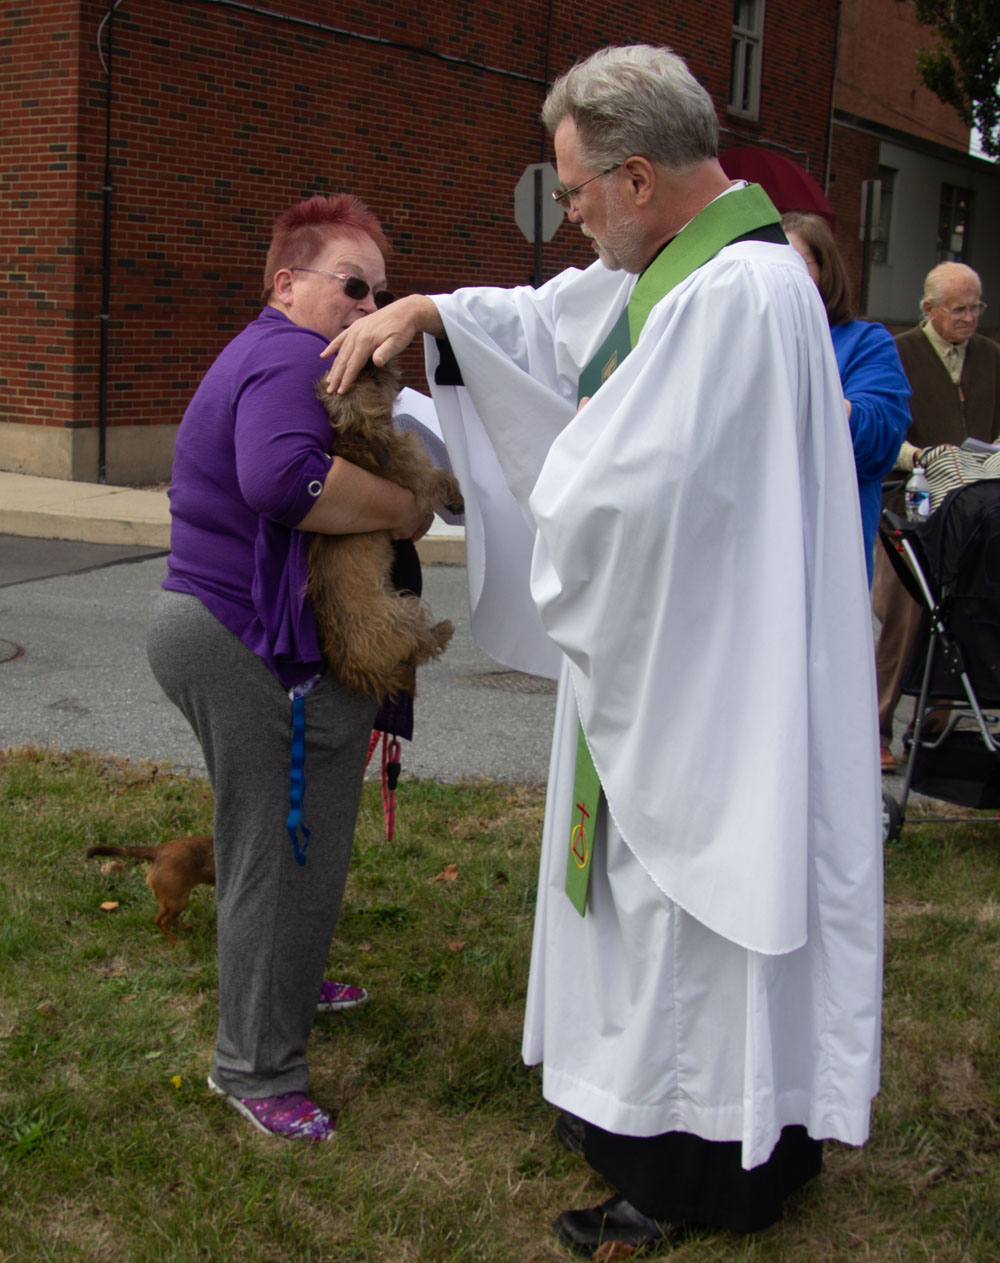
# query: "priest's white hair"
637 99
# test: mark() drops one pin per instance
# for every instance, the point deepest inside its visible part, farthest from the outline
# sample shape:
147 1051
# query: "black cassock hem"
684 1179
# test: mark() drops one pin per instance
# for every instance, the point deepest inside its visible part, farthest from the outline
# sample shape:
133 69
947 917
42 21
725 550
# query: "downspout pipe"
833 99
105 313
543 146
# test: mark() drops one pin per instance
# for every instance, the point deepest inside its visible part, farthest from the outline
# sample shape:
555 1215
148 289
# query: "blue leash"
297 772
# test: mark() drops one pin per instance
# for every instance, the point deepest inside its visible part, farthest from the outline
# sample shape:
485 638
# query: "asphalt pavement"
73 670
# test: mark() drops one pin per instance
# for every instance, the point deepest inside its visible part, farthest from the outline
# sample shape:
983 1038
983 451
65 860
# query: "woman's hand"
425 525
379 337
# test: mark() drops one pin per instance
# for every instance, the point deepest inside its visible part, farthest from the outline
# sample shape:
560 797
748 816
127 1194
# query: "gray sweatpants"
275 919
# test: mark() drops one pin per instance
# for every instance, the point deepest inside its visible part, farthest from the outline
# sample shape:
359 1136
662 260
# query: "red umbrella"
789 186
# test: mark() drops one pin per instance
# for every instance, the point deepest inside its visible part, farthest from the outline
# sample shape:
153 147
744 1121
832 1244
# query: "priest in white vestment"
684 551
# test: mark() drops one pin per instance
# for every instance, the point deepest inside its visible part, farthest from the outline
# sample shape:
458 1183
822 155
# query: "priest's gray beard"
619 247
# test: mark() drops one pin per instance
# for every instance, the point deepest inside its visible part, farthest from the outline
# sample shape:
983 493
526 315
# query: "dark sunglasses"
354 287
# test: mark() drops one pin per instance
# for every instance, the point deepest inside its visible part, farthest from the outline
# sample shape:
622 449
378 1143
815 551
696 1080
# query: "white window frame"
882 230
958 224
747 56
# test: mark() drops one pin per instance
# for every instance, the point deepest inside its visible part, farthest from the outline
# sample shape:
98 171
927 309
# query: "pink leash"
390 776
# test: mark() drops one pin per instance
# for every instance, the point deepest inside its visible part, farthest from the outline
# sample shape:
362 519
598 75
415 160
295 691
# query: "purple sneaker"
291 1116
337 996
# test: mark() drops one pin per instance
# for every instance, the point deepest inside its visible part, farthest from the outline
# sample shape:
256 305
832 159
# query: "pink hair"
302 232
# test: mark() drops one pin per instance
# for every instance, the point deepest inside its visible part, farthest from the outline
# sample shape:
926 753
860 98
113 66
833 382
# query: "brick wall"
854 158
49 352
876 72
220 117
796 88
877 81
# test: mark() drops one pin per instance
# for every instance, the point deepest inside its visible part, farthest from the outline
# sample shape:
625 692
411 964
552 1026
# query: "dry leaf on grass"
456 945
450 873
143 782
613 1250
109 905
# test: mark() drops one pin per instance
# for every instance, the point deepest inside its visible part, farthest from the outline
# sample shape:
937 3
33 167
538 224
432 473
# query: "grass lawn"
111 1147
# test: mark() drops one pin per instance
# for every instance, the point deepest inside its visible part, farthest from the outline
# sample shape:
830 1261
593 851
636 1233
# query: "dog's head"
365 412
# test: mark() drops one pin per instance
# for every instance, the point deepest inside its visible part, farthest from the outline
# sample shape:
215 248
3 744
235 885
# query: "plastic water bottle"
918 496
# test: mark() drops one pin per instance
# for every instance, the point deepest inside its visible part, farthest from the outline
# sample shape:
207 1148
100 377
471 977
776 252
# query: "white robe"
696 556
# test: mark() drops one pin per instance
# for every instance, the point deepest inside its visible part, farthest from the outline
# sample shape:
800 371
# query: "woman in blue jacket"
875 387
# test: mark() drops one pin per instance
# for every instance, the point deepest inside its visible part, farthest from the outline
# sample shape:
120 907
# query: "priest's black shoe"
570 1131
614 1220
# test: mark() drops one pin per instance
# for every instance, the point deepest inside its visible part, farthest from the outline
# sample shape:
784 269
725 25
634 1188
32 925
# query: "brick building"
146 146
937 201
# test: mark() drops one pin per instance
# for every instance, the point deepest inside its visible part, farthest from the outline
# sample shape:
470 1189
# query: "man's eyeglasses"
565 196
354 287
962 313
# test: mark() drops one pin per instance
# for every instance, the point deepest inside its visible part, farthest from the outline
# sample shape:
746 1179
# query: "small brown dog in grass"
175 869
373 636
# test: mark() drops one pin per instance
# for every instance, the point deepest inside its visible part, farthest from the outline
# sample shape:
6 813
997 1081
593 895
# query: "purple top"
250 458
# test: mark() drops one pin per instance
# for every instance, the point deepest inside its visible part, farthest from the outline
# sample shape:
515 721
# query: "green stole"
720 223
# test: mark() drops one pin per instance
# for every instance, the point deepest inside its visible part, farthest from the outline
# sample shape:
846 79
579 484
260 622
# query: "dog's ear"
390 376
330 400
383 382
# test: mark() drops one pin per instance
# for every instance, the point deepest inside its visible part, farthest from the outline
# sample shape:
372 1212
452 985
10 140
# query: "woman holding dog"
233 644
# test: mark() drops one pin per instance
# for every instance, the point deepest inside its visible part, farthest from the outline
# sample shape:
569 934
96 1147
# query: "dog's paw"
447 492
442 633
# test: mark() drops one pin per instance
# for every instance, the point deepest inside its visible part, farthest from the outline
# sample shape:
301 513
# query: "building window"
953 224
883 223
744 72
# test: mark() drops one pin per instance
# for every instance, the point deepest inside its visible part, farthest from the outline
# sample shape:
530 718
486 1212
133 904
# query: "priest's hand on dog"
379 337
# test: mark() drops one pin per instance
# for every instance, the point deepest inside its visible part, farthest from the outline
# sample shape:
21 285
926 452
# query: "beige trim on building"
135 454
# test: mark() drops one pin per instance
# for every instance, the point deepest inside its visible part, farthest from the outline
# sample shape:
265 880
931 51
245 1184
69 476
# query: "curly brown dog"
373 636
175 869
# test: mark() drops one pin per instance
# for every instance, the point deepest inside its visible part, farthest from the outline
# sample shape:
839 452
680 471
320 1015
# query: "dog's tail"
133 852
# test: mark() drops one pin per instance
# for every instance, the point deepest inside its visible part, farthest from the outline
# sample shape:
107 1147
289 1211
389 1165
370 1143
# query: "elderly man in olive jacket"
955 376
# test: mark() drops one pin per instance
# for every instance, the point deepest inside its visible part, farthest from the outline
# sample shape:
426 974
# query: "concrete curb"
90 530
94 513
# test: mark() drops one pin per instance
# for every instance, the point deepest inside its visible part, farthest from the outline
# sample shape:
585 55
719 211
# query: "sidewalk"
96 513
